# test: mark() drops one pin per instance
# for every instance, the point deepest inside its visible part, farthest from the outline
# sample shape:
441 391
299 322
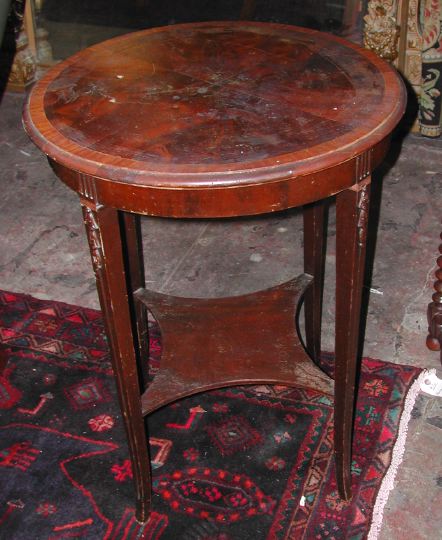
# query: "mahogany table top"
214 104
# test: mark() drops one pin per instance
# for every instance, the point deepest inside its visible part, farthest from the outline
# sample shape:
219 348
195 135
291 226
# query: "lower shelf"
215 343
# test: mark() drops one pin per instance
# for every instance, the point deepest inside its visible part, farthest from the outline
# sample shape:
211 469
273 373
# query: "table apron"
227 201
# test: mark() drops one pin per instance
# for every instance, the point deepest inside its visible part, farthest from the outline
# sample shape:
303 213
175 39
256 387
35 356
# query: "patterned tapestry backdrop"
431 92
235 464
408 32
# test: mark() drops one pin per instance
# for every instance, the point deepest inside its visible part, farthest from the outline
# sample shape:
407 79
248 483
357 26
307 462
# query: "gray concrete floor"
43 252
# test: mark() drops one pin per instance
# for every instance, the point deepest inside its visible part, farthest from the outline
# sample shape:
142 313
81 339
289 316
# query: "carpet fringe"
396 459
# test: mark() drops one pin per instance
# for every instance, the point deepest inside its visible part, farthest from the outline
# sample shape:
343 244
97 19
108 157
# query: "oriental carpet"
235 464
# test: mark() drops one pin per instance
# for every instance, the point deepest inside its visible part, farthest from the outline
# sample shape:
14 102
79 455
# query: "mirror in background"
67 26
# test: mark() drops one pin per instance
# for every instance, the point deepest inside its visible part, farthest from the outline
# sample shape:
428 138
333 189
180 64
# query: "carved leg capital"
93 235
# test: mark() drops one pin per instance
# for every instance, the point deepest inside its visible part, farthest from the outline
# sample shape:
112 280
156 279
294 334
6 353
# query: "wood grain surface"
214 104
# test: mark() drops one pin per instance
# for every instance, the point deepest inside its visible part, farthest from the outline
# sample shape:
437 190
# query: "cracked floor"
43 252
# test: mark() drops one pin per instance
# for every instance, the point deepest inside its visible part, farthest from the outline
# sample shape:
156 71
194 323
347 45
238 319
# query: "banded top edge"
214 104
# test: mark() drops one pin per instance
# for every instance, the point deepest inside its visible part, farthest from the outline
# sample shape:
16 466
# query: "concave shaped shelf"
221 342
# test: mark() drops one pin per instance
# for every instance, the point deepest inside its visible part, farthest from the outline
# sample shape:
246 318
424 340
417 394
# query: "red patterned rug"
234 464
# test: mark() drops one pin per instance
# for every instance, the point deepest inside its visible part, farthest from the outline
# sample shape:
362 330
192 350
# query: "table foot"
221 342
3 358
142 511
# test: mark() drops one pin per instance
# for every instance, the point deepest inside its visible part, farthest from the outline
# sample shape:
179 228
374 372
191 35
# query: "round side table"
217 120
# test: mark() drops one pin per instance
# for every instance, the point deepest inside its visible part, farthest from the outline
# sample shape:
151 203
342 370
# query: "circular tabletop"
213 104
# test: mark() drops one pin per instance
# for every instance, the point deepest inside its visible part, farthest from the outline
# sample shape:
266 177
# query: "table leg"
131 230
103 227
315 223
247 10
351 232
3 358
434 312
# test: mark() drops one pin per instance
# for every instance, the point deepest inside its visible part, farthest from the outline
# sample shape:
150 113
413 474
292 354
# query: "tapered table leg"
351 232
132 240
103 227
434 313
315 224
